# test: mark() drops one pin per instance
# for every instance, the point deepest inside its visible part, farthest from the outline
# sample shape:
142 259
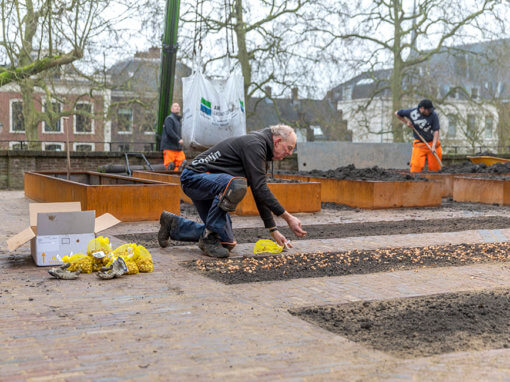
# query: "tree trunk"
396 77
30 115
242 51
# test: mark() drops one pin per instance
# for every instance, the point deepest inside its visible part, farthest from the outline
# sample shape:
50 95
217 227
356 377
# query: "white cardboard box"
57 229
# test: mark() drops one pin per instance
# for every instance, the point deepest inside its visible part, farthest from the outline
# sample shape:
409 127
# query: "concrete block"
331 155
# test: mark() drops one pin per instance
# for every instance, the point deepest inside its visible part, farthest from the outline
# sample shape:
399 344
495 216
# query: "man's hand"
409 123
433 149
181 141
280 239
294 224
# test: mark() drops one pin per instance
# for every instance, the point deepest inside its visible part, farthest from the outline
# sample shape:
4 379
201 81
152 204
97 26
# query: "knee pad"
233 194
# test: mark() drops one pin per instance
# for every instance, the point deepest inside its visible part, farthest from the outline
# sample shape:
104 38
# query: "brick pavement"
174 324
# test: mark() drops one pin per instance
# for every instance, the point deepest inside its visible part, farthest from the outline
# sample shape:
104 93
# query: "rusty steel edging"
127 202
446 180
166 177
294 197
481 190
375 194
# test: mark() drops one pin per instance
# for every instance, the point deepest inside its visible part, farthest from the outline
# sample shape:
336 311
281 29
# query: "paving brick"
174 324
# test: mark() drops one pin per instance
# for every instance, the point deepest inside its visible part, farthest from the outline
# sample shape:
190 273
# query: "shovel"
426 144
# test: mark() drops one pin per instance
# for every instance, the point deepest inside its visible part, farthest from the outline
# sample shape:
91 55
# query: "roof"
484 66
142 73
297 113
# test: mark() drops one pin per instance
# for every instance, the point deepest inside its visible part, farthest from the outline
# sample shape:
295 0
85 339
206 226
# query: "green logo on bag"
205 106
242 105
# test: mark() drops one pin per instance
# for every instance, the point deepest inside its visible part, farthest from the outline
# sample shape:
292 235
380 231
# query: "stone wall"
13 164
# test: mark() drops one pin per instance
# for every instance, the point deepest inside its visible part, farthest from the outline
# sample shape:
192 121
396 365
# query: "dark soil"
421 326
293 266
472 168
493 177
332 231
350 172
279 180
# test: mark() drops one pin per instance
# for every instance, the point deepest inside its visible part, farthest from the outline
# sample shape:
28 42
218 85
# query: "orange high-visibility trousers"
421 153
173 156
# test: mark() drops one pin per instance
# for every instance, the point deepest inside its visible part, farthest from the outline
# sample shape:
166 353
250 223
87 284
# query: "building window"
83 123
54 126
474 93
53 146
471 126
124 147
83 147
17 120
348 93
125 121
18 145
452 126
148 125
489 126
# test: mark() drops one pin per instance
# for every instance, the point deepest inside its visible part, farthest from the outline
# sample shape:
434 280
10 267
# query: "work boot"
233 194
211 246
168 221
116 269
183 165
229 246
62 273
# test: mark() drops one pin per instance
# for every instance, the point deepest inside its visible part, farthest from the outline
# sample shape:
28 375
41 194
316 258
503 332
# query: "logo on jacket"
209 158
420 123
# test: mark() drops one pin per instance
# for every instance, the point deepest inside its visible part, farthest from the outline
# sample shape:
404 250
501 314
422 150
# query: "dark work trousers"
204 190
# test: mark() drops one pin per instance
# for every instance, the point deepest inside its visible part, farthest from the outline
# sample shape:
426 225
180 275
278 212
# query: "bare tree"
394 34
42 37
266 38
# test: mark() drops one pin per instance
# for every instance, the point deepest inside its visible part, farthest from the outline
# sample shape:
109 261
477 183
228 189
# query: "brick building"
119 117
85 133
135 97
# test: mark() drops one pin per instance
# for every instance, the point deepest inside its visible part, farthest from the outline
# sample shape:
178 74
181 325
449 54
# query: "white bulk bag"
213 110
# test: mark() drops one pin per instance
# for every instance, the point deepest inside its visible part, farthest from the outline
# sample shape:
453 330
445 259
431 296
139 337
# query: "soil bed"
334 231
350 172
492 177
471 168
293 266
280 180
421 326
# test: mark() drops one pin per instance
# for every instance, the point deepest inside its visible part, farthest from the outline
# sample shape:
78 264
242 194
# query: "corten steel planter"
446 181
171 177
376 194
294 197
481 190
126 198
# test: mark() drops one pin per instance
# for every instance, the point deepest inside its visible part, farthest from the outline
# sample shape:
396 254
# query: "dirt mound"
350 172
421 326
279 180
472 168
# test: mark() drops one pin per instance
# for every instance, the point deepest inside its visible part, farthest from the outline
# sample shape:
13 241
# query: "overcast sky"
141 39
